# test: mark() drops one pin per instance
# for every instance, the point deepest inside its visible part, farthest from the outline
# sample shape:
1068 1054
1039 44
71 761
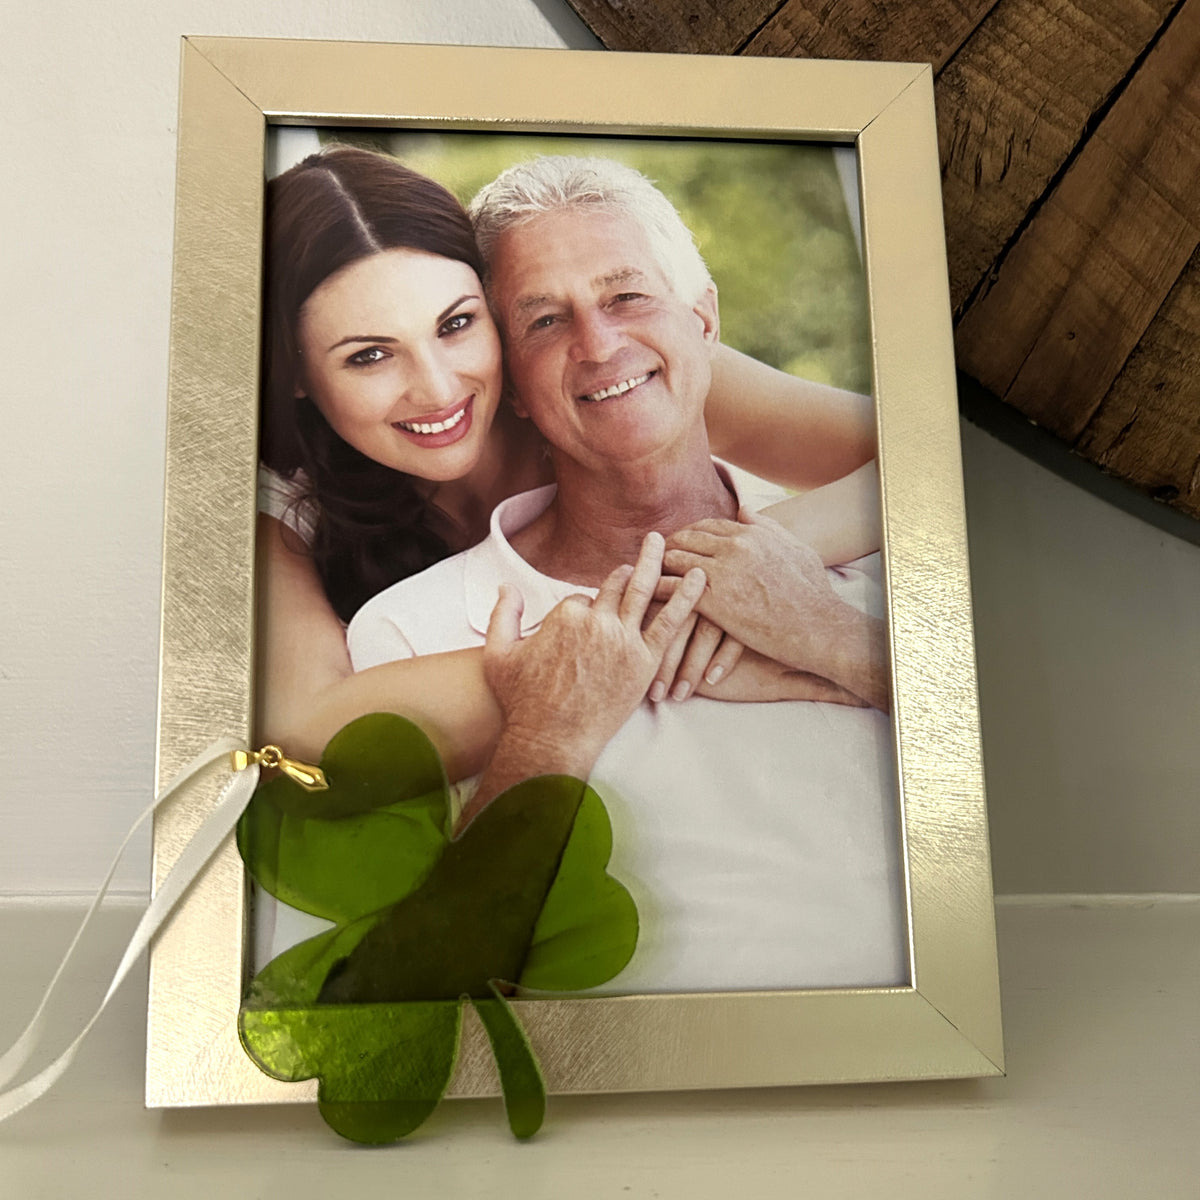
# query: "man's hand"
565 690
771 592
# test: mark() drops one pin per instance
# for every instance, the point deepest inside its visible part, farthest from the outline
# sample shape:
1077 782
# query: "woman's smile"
442 428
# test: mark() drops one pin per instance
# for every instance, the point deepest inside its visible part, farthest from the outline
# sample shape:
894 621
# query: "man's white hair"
555 182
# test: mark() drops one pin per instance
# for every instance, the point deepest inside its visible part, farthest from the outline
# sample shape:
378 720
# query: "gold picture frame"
947 1023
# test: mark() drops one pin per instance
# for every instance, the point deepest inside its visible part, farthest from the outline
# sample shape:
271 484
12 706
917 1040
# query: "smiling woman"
426 379
376 325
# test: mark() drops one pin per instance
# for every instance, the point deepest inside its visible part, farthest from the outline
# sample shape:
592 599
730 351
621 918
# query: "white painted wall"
1088 630
1087 626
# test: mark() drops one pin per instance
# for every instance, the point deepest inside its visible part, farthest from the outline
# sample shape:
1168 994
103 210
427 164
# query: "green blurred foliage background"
769 218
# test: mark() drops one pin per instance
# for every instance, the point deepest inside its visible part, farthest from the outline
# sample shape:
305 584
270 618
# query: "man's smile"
618 389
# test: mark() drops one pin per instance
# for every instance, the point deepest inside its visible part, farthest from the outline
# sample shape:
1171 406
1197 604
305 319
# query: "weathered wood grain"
1147 429
870 29
1085 279
680 26
1014 103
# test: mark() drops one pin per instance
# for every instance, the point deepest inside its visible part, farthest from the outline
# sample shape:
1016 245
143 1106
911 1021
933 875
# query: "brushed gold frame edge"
936 592
239 1081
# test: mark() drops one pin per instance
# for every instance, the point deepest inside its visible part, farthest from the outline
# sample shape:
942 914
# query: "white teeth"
436 426
617 389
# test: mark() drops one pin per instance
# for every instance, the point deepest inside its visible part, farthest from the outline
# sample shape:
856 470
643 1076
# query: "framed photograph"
812 189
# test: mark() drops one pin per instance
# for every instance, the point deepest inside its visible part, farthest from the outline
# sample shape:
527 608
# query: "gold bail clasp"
310 778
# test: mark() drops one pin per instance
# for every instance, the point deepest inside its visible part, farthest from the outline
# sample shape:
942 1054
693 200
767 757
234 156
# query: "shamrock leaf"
473 917
295 977
373 1006
367 840
581 938
382 1067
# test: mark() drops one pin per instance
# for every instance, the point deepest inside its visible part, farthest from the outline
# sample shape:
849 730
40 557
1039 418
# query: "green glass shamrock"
423 924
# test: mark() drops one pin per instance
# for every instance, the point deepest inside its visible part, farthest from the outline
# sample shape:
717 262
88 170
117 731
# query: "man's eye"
628 297
364 358
456 323
543 322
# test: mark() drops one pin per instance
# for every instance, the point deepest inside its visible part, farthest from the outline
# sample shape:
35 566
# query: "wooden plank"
679 26
1147 429
1013 105
870 29
1087 276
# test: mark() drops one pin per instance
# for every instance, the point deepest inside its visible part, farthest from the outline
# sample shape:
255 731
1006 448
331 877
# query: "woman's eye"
364 358
456 323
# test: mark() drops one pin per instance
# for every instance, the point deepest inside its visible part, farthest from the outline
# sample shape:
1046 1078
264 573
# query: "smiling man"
613 368
760 840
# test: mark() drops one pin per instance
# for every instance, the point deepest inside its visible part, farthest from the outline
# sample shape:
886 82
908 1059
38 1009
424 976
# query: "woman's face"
400 355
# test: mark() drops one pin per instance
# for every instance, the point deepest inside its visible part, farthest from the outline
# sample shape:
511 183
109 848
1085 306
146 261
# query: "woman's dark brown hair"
332 209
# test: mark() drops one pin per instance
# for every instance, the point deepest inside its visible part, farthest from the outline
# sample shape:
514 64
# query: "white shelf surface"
1102 1099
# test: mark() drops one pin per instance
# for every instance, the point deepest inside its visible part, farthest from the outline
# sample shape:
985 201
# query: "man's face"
608 362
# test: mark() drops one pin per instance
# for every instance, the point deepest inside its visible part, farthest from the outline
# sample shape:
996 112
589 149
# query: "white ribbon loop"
214 829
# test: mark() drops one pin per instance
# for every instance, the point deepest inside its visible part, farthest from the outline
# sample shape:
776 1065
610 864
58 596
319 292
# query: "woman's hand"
759 679
752 677
759 579
702 653
772 593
